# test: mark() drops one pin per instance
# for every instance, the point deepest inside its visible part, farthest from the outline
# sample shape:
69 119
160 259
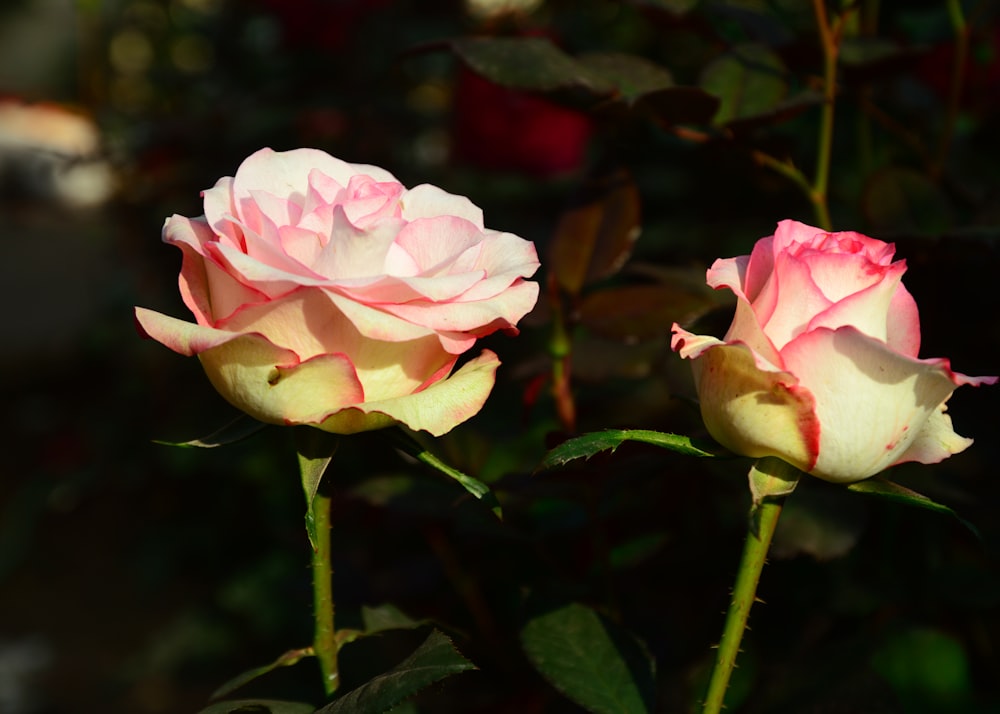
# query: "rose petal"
304 321
301 244
374 323
747 330
271 280
839 275
872 401
437 409
268 382
245 373
189 339
903 325
286 173
189 235
277 210
501 254
399 290
433 244
323 191
368 200
353 252
192 232
798 300
935 441
208 290
502 311
752 411
427 201
307 322
759 267
729 273
689 345
220 211
868 309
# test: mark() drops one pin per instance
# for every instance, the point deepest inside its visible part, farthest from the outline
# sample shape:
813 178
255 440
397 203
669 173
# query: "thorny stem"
325 640
744 594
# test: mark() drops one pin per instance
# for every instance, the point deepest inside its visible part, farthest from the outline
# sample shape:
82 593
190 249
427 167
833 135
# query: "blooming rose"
326 293
820 364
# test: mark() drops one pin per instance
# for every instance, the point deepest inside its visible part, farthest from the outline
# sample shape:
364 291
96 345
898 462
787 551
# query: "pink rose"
326 293
820 364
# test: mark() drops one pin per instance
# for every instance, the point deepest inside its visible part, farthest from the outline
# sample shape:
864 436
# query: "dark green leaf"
434 660
315 450
535 64
286 660
477 488
749 81
387 617
238 429
630 75
590 660
589 444
900 494
531 63
259 706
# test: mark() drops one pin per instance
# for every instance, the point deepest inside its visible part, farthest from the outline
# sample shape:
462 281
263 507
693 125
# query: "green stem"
829 37
786 169
325 642
744 593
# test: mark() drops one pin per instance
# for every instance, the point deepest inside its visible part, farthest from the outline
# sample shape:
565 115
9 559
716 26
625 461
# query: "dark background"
136 577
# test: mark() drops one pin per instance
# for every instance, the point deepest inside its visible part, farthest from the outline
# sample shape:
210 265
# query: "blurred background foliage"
634 142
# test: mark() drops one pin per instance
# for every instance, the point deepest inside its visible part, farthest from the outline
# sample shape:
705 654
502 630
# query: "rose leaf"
590 660
589 444
434 660
900 494
240 428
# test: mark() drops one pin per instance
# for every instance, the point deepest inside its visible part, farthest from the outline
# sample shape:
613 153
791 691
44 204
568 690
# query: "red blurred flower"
508 130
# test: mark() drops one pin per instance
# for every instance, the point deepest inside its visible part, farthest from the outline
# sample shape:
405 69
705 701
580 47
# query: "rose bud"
819 366
326 293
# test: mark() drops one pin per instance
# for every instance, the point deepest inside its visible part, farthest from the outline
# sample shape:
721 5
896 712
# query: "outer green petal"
437 409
